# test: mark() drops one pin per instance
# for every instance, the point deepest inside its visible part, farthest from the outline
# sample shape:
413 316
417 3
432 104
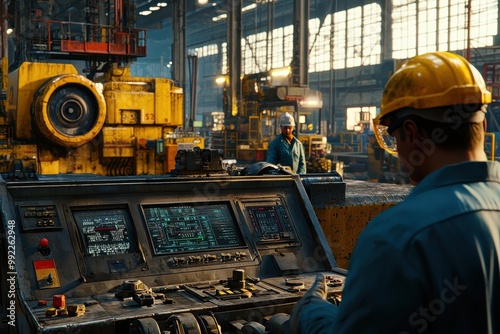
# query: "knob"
238 279
44 243
43 247
238 275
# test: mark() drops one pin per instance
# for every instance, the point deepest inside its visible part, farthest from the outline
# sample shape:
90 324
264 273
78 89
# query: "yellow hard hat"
431 80
435 79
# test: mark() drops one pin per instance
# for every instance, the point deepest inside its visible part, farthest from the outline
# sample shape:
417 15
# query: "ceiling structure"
161 15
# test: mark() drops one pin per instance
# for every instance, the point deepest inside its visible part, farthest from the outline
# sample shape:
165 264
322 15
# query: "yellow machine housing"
59 121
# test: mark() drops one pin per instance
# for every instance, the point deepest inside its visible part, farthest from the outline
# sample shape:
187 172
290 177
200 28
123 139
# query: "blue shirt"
430 264
290 154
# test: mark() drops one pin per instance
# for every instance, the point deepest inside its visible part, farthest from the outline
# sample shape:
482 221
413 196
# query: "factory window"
355 42
371 20
261 52
320 40
253 55
287 45
207 50
224 58
277 48
424 26
353 39
339 39
362 27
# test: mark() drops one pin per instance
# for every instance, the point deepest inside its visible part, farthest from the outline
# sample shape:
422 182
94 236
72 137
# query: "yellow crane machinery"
56 120
61 122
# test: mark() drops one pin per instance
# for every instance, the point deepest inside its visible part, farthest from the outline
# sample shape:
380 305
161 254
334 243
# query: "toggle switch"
46 274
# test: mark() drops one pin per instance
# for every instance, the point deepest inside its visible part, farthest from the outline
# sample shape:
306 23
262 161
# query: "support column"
179 48
300 60
234 53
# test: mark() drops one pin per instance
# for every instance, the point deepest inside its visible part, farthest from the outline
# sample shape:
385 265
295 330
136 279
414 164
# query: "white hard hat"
287 120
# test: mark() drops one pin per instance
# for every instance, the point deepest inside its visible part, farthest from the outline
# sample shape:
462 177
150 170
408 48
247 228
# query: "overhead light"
311 102
202 2
249 7
9 31
224 16
161 4
220 17
153 8
220 80
145 12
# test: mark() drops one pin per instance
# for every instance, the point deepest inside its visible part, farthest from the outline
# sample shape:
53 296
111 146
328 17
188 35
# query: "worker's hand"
318 289
315 295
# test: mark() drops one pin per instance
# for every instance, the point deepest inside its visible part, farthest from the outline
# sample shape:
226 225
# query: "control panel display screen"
105 231
191 227
271 223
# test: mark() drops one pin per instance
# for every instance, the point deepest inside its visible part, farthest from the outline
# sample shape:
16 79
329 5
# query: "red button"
59 301
44 243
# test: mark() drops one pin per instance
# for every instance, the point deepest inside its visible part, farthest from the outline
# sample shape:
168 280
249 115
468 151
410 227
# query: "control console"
161 254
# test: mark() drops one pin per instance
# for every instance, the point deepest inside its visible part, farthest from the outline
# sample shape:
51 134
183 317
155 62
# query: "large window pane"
424 26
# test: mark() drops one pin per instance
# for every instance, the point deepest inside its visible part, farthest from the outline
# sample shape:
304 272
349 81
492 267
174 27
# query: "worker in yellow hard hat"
430 264
445 94
285 149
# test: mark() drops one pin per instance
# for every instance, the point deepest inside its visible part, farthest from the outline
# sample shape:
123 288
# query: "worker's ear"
412 131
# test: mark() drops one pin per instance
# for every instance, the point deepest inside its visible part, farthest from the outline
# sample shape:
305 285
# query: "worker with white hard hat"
286 149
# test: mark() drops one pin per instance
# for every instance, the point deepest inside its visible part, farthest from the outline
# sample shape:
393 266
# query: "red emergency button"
44 243
43 247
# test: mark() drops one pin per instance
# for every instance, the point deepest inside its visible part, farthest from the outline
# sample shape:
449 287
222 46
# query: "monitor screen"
266 220
191 227
105 231
271 223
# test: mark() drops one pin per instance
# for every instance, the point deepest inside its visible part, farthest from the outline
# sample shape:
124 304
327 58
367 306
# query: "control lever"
131 288
238 279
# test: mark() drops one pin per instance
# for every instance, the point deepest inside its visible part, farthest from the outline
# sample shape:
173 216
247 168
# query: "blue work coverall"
291 154
430 264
